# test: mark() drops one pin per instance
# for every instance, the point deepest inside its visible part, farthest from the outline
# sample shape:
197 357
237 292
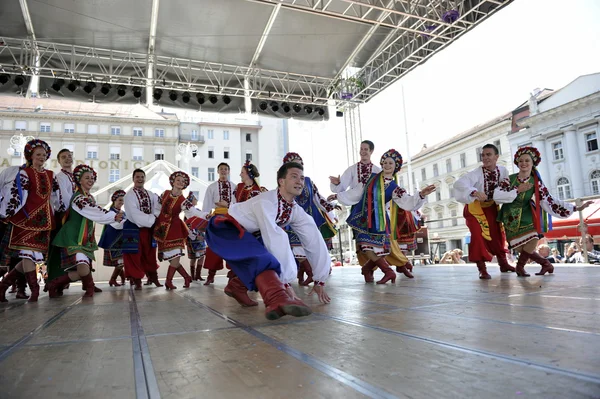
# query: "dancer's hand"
221 204
332 197
119 217
334 180
320 291
427 190
583 206
480 196
524 187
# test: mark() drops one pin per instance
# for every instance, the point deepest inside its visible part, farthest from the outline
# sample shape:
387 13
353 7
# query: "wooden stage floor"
445 334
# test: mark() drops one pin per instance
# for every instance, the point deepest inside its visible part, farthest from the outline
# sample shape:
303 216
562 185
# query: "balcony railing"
192 138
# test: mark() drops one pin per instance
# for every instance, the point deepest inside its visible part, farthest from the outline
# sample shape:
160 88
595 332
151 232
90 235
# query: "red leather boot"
122 274
153 278
547 266
503 263
113 278
137 282
367 271
211 277
198 269
388 273
309 273
56 286
21 285
33 285
483 274
404 269
187 280
521 262
277 301
193 271
169 280
238 291
88 284
9 279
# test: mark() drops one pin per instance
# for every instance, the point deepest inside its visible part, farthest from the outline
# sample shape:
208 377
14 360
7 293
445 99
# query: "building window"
448 165
438 195
451 190
595 182
211 174
423 174
498 146
440 216
69 128
92 152
211 134
115 153
159 132
591 142
159 154
412 175
248 156
557 150
115 174
435 170
194 135
248 137
226 154
115 130
45 127
137 153
138 132
195 171
401 181
211 154
454 219
564 188
478 151
463 160
225 134
92 129
20 126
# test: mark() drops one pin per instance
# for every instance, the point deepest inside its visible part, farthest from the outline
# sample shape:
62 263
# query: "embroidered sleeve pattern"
225 192
14 202
82 201
505 185
398 192
284 211
327 205
364 172
556 207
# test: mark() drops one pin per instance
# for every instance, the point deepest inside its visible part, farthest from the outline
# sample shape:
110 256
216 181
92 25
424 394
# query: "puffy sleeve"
275 238
66 188
322 201
58 202
345 181
312 243
156 203
208 204
554 206
505 193
134 214
465 185
87 208
406 201
12 202
189 210
351 196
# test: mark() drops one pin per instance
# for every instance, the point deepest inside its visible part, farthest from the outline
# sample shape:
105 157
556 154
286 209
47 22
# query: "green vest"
77 234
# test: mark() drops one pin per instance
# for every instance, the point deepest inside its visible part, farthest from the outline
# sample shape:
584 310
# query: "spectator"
557 255
544 250
593 255
573 254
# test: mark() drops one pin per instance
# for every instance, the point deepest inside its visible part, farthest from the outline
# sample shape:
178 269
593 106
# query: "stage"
445 334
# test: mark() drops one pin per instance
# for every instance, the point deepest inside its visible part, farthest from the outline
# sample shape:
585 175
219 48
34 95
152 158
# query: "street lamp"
17 145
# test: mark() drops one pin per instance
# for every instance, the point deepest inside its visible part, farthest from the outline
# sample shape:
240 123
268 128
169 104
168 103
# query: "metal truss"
128 68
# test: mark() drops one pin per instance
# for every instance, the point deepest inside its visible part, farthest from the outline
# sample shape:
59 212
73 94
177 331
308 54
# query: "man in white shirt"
358 173
252 240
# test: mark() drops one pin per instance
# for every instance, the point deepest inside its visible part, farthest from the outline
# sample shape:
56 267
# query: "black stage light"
19 80
105 89
286 107
57 84
263 105
173 95
297 108
213 99
308 109
89 87
226 99
137 91
185 97
200 98
157 94
274 106
4 78
72 86
320 111
121 90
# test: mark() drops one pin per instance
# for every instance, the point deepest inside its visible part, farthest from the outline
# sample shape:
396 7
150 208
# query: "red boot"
483 274
13 288
198 270
9 279
187 280
408 265
137 282
238 291
309 273
367 271
21 285
122 274
169 281
56 286
503 263
192 271
113 278
277 301
33 285
520 269
547 266
211 277
404 269
388 273
88 283
153 278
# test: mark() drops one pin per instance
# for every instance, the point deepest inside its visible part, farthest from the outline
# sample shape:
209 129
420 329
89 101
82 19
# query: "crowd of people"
266 239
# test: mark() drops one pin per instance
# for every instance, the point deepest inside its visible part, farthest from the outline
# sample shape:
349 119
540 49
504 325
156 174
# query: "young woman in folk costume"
170 232
112 241
77 238
248 188
196 246
317 207
525 219
376 227
29 210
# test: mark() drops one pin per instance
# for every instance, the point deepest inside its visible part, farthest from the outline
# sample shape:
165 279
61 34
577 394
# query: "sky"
486 73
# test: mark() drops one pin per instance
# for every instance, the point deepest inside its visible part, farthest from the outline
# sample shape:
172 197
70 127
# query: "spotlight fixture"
286 107
308 109
89 87
72 86
105 89
185 97
297 108
226 99
137 91
320 111
157 94
19 80
57 84
173 95
121 90
274 106
200 98
263 105
213 99
4 78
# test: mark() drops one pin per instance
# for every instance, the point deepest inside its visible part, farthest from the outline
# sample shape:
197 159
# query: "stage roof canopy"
292 51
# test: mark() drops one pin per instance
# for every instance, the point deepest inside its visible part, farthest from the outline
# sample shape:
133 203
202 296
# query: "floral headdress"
32 145
532 152
80 170
293 157
174 175
247 165
117 194
395 155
